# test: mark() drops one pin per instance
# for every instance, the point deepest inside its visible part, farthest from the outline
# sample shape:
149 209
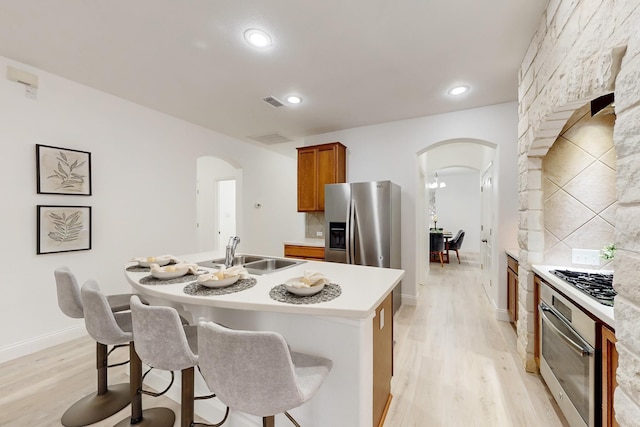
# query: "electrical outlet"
585 256
318 233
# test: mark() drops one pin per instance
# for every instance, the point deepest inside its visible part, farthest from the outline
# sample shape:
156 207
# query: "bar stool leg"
98 406
154 417
187 402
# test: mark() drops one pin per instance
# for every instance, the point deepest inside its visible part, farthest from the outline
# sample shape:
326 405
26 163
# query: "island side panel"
346 397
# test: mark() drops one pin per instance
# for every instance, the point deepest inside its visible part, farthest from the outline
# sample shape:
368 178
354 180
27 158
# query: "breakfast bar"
343 323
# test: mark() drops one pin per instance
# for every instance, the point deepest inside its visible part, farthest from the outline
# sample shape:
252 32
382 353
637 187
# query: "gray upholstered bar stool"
107 400
111 328
256 373
163 342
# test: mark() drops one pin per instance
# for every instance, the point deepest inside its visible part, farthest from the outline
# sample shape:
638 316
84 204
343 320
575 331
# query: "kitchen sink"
237 260
270 265
255 264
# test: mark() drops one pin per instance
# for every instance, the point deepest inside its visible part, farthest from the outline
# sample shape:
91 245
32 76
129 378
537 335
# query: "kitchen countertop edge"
601 311
306 242
513 252
354 303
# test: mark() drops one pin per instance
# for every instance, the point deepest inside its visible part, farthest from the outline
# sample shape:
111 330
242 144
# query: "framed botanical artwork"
63 229
63 171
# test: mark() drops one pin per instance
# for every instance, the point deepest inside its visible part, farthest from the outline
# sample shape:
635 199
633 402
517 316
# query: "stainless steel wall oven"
568 356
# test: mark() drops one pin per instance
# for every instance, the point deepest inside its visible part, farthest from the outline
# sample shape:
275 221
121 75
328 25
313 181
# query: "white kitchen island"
341 330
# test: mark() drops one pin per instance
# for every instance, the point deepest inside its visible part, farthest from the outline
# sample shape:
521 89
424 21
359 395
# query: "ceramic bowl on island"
168 272
309 284
222 277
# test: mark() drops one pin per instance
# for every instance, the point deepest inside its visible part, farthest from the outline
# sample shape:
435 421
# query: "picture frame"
63 171
63 229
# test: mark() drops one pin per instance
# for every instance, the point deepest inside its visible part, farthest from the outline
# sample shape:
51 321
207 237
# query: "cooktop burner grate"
597 285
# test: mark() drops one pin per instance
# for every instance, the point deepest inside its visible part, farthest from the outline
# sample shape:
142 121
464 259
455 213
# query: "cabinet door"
304 252
512 295
326 171
382 359
307 184
609 382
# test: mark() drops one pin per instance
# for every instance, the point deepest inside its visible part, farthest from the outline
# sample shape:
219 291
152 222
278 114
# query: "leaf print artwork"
65 173
65 228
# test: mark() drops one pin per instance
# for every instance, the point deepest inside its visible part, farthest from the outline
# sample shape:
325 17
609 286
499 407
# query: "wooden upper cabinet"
319 165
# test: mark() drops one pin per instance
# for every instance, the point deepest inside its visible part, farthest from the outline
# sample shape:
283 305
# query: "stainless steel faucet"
231 251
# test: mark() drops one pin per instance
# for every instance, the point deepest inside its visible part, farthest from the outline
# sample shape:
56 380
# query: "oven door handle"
583 350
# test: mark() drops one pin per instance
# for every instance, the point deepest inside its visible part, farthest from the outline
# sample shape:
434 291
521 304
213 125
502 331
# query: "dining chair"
436 246
456 243
256 373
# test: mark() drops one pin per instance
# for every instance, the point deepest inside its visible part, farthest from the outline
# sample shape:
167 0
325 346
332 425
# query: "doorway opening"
226 217
450 179
217 201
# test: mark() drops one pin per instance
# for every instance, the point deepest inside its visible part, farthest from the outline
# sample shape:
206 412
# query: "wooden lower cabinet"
609 382
512 289
382 359
315 253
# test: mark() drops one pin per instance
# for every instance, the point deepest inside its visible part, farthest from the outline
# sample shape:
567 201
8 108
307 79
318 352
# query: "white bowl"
302 291
148 263
220 283
162 274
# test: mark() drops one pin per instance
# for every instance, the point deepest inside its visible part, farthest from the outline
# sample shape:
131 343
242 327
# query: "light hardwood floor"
455 365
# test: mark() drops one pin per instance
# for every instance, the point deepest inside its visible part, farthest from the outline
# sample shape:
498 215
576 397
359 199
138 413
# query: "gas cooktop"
598 286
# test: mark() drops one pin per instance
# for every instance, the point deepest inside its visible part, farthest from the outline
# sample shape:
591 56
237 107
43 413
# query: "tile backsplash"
314 223
579 188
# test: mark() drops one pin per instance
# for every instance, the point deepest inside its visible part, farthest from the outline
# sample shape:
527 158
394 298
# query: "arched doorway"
460 164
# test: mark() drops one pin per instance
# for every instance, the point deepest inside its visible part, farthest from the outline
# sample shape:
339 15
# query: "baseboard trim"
409 299
42 342
502 315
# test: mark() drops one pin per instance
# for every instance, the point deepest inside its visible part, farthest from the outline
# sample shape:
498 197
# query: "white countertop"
513 252
306 242
363 289
601 311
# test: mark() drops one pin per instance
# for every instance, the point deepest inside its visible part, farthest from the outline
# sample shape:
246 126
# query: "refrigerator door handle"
351 226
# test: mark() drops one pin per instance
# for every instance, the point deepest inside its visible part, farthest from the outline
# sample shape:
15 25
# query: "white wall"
210 170
144 203
458 208
389 151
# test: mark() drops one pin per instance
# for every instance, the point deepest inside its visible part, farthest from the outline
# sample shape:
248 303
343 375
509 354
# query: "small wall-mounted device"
30 81
23 77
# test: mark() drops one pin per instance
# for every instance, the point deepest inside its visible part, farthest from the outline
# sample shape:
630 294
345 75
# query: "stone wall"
584 49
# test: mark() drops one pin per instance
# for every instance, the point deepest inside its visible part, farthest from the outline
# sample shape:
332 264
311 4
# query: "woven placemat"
138 269
329 292
150 280
202 291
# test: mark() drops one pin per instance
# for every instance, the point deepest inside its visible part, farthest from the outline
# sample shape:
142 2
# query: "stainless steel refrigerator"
362 222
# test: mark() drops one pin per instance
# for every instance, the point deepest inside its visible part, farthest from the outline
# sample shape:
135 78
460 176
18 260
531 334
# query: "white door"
226 203
486 225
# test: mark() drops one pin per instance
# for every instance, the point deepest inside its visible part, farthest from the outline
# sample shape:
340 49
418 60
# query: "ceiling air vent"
273 101
271 138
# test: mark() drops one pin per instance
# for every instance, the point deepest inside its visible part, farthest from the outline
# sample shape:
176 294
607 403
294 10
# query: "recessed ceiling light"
257 38
458 90
293 99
